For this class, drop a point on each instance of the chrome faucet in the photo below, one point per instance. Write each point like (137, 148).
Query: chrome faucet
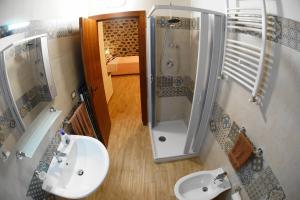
(220, 177)
(58, 155)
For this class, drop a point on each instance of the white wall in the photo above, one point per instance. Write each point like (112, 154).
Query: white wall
(216, 5)
(12, 11)
(98, 6)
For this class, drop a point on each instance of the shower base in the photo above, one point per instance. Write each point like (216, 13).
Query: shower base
(168, 141)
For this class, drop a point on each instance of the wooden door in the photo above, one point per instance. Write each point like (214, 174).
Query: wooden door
(93, 74)
(141, 16)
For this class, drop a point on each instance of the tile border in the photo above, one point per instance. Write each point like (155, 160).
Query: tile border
(259, 185)
(175, 86)
(35, 190)
(54, 28)
(185, 23)
(286, 32)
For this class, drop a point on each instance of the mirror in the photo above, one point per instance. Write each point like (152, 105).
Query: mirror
(9, 133)
(27, 79)
(27, 86)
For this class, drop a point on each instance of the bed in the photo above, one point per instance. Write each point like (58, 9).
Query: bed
(124, 65)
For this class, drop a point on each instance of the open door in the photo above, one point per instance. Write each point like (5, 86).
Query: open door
(141, 16)
(93, 74)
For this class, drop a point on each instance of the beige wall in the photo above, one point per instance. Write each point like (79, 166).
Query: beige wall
(65, 61)
(176, 107)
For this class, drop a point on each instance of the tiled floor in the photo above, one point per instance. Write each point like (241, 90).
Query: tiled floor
(133, 175)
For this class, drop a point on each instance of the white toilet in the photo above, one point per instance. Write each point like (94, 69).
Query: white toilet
(201, 185)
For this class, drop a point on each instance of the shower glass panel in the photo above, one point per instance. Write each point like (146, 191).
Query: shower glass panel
(176, 47)
(186, 55)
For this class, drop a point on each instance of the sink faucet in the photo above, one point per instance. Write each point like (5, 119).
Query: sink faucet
(58, 155)
(220, 177)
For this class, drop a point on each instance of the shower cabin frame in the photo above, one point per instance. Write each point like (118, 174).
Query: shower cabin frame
(211, 36)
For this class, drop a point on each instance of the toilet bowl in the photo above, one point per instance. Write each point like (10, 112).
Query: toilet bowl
(201, 185)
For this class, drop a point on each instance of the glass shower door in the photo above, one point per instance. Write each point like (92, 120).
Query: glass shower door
(186, 55)
(174, 51)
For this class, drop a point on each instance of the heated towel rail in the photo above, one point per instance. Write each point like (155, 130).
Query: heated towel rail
(243, 61)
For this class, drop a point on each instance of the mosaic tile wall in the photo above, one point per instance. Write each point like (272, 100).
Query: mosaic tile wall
(7, 126)
(32, 98)
(172, 86)
(286, 32)
(259, 183)
(35, 190)
(184, 23)
(121, 37)
(54, 28)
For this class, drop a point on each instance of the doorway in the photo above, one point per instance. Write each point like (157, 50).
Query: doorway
(97, 76)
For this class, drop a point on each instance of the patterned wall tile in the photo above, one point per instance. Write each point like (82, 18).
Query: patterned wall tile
(184, 23)
(256, 190)
(220, 125)
(290, 33)
(26, 103)
(54, 28)
(276, 193)
(29, 100)
(171, 86)
(282, 30)
(234, 132)
(228, 145)
(246, 174)
(7, 127)
(259, 184)
(268, 179)
(121, 37)
(35, 190)
(265, 186)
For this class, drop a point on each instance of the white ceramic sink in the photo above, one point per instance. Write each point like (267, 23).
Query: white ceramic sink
(201, 185)
(83, 154)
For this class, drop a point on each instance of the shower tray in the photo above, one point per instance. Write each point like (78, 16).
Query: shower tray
(168, 140)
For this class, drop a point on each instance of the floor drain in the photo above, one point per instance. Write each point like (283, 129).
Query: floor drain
(80, 172)
(162, 138)
(204, 189)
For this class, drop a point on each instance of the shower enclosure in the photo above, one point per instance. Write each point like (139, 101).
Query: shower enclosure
(186, 58)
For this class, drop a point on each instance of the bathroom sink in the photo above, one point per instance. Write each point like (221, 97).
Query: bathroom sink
(201, 185)
(81, 171)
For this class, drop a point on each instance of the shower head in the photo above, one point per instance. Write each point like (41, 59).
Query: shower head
(173, 20)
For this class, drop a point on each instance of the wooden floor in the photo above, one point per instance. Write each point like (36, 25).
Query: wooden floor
(133, 175)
